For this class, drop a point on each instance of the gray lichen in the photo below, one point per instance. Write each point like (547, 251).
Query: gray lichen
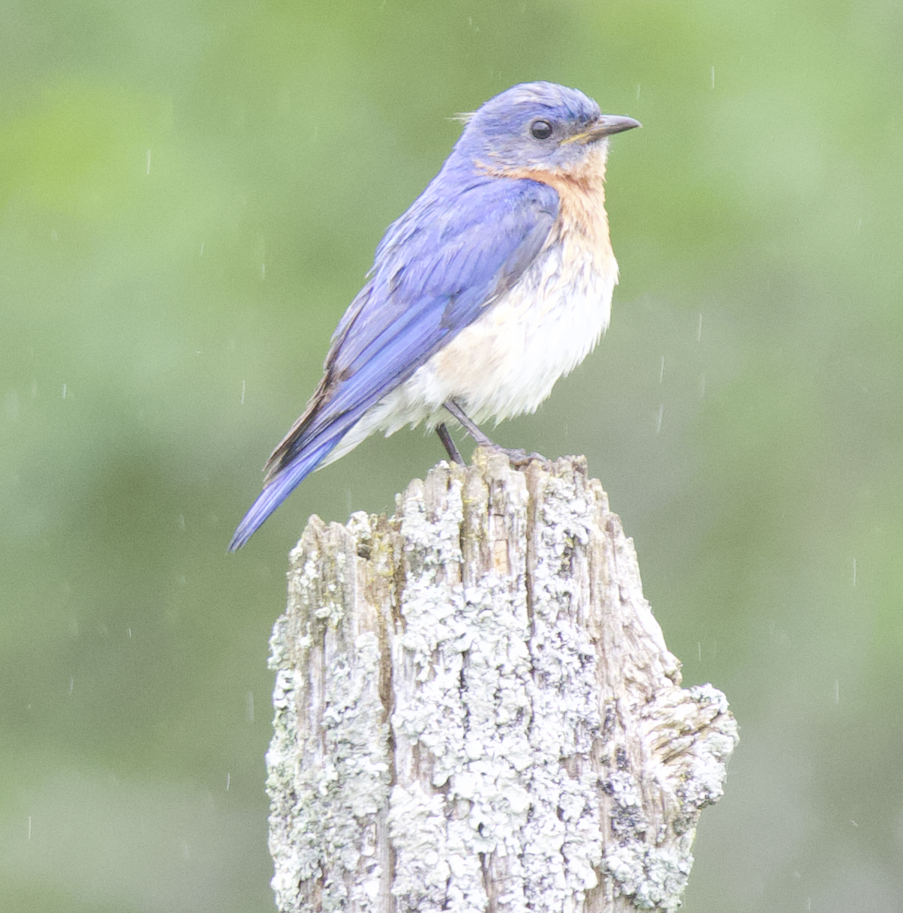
(476, 710)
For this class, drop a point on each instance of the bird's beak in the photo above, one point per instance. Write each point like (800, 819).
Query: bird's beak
(604, 125)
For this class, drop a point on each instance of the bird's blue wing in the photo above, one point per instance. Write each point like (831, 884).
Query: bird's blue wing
(437, 269)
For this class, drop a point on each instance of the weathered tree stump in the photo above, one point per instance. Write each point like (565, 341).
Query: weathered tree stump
(476, 709)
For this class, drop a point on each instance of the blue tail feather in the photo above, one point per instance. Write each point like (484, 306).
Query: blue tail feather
(279, 488)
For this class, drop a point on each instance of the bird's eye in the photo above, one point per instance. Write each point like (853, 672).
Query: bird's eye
(541, 129)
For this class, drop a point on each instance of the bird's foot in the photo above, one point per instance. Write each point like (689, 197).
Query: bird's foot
(518, 458)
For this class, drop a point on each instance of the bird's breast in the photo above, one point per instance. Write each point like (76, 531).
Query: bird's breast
(507, 361)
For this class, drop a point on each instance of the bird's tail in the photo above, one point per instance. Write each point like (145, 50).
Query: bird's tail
(279, 487)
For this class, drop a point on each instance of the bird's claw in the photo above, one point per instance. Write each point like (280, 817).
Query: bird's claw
(519, 458)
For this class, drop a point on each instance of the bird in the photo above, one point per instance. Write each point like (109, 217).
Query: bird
(496, 282)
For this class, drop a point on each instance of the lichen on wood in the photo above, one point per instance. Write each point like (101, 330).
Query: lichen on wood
(476, 709)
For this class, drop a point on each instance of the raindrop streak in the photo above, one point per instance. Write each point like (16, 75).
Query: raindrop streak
(29, 827)
(699, 329)
(71, 685)
(242, 392)
(854, 572)
(637, 90)
(228, 781)
(64, 391)
(661, 370)
(659, 417)
(713, 77)
(148, 161)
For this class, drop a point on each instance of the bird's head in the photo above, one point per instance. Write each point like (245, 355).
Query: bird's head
(537, 126)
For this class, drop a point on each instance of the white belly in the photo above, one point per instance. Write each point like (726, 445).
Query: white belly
(507, 361)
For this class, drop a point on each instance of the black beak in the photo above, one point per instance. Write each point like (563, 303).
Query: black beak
(606, 125)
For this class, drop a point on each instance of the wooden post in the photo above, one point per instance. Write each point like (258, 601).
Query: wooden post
(476, 709)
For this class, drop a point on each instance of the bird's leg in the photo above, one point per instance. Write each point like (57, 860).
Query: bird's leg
(470, 427)
(518, 457)
(450, 447)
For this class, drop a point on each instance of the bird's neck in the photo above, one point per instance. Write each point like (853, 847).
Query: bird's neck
(582, 219)
(581, 195)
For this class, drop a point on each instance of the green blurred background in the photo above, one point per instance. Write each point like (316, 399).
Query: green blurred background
(190, 195)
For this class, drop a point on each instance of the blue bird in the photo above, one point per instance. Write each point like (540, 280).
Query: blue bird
(495, 283)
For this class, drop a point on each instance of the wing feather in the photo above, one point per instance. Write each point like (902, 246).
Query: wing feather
(435, 272)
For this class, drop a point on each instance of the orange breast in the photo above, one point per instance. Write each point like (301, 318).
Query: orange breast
(582, 220)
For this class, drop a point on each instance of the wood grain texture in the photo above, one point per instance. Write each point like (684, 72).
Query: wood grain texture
(476, 709)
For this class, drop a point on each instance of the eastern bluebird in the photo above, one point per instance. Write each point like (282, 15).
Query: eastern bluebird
(495, 283)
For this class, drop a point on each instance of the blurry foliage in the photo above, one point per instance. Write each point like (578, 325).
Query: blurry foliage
(190, 195)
